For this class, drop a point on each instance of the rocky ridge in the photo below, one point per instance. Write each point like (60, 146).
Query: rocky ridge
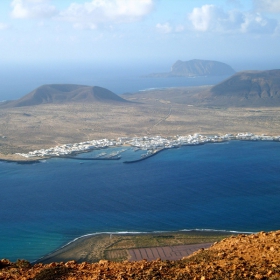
(255, 256)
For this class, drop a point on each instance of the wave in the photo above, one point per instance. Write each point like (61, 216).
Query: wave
(219, 230)
(88, 235)
(149, 232)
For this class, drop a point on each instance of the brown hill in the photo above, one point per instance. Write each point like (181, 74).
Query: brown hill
(255, 256)
(63, 93)
(250, 88)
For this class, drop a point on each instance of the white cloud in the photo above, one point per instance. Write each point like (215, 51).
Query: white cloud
(91, 14)
(164, 28)
(202, 18)
(32, 9)
(255, 23)
(212, 18)
(271, 6)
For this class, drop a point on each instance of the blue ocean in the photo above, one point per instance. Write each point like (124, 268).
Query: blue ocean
(19, 80)
(233, 186)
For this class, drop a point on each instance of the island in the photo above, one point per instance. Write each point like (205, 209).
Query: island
(196, 68)
(63, 116)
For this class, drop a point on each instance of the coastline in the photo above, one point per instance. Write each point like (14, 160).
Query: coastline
(154, 144)
(96, 246)
(13, 158)
(169, 154)
(22, 161)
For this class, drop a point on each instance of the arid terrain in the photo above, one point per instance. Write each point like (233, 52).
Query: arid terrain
(255, 256)
(165, 112)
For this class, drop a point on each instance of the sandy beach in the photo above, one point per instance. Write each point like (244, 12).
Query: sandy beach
(134, 247)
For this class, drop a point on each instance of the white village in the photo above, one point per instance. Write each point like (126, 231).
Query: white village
(152, 144)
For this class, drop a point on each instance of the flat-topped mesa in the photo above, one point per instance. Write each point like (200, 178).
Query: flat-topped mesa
(196, 68)
(199, 67)
(65, 93)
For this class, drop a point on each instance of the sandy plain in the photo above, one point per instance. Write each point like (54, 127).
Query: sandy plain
(165, 112)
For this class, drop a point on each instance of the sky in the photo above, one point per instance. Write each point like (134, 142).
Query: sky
(139, 32)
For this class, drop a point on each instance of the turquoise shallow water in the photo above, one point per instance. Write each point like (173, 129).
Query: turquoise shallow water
(229, 186)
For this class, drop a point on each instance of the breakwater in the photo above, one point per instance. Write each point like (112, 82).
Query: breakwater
(145, 157)
(93, 158)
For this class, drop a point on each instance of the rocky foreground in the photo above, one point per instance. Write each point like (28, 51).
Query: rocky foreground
(255, 256)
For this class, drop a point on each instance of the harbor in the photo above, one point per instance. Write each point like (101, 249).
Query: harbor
(149, 154)
(102, 156)
(152, 144)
